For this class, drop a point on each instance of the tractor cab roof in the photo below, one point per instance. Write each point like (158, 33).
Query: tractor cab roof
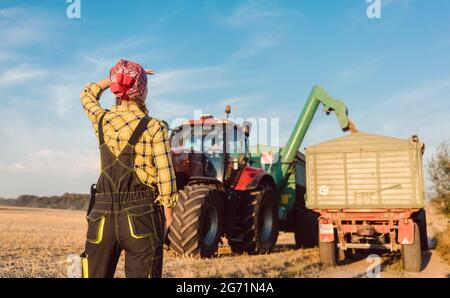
(209, 122)
(208, 119)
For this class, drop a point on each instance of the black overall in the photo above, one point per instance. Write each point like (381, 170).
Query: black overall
(124, 217)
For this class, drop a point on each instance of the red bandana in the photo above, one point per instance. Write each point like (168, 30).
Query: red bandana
(128, 80)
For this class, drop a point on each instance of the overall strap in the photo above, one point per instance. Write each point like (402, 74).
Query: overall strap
(100, 128)
(140, 128)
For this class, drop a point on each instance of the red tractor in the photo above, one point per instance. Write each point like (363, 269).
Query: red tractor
(214, 175)
(224, 190)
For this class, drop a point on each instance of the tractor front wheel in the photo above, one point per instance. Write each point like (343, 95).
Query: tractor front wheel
(197, 221)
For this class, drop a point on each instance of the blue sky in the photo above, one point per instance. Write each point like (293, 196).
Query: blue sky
(263, 57)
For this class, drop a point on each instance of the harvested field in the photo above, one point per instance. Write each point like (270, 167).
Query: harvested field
(36, 243)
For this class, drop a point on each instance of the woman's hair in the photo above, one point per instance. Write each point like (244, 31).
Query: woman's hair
(139, 101)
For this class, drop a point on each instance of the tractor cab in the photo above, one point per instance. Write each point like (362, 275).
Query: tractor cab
(209, 148)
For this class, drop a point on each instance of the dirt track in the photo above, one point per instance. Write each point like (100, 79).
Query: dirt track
(36, 243)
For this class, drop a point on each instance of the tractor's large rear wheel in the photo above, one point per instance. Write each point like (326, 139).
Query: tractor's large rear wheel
(256, 229)
(197, 221)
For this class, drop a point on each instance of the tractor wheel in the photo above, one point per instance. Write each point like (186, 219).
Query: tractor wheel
(197, 221)
(421, 220)
(306, 230)
(328, 253)
(256, 229)
(412, 253)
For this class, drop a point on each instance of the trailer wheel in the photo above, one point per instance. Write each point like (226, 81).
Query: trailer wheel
(412, 253)
(197, 221)
(256, 229)
(306, 229)
(421, 220)
(328, 253)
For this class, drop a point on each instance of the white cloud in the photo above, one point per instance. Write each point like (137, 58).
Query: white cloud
(261, 22)
(358, 71)
(11, 12)
(43, 155)
(21, 26)
(433, 93)
(168, 91)
(99, 63)
(421, 110)
(6, 56)
(60, 163)
(404, 3)
(178, 81)
(256, 44)
(21, 74)
(242, 102)
(251, 11)
(50, 172)
(102, 58)
(63, 97)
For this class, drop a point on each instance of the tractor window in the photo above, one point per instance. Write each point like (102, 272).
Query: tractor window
(213, 150)
(236, 137)
(206, 139)
(213, 139)
(184, 140)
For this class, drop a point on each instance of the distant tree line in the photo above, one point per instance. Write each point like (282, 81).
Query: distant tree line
(66, 201)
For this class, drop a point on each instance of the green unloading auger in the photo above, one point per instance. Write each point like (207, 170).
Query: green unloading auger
(281, 170)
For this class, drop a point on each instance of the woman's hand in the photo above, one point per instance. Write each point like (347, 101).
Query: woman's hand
(104, 84)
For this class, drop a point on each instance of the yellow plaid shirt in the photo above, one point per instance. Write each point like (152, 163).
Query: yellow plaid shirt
(153, 164)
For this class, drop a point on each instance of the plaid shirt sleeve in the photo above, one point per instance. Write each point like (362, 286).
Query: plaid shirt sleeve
(166, 181)
(89, 99)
